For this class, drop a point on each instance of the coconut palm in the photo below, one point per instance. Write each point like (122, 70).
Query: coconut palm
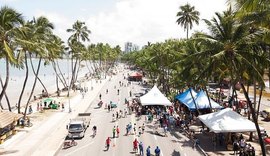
(231, 47)
(186, 16)
(10, 20)
(80, 32)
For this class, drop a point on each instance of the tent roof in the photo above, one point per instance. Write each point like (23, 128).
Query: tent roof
(227, 120)
(202, 102)
(136, 74)
(186, 97)
(7, 118)
(154, 97)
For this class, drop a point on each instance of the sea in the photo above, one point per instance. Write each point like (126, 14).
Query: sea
(46, 74)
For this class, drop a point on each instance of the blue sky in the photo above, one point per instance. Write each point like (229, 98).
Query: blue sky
(118, 21)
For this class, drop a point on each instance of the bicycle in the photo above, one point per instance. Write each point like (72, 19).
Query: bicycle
(71, 143)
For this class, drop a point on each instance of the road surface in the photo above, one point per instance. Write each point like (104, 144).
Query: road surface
(175, 144)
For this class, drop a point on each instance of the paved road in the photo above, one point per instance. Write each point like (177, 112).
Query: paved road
(175, 144)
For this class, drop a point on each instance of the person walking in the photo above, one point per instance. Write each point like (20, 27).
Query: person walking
(141, 148)
(108, 142)
(135, 145)
(117, 131)
(100, 96)
(143, 128)
(157, 151)
(148, 152)
(114, 130)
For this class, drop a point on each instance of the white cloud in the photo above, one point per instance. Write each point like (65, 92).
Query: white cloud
(140, 21)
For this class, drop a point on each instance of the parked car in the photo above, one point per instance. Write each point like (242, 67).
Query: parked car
(265, 113)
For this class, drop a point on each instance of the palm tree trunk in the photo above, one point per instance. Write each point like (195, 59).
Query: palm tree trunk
(77, 72)
(194, 100)
(259, 103)
(187, 32)
(24, 84)
(208, 99)
(36, 75)
(33, 87)
(254, 117)
(254, 87)
(63, 78)
(8, 103)
(6, 82)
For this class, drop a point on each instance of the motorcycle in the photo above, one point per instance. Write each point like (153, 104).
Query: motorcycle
(68, 144)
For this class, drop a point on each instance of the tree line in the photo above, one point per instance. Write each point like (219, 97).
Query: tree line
(236, 47)
(21, 41)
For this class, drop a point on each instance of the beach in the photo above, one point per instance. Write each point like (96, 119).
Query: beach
(46, 75)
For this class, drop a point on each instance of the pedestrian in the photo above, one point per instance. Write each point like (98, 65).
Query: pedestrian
(143, 127)
(114, 130)
(148, 152)
(100, 96)
(141, 148)
(157, 151)
(140, 131)
(135, 145)
(30, 109)
(117, 131)
(235, 147)
(196, 142)
(117, 91)
(117, 115)
(113, 117)
(130, 94)
(107, 91)
(127, 127)
(108, 142)
(134, 129)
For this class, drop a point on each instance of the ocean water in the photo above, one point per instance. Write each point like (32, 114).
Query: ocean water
(46, 74)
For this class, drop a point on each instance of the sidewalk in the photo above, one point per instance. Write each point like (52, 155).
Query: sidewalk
(46, 136)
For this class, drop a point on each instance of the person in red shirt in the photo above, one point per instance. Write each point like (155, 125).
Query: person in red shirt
(108, 142)
(135, 145)
(117, 131)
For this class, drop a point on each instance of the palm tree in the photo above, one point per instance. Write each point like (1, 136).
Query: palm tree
(231, 48)
(80, 32)
(186, 16)
(10, 20)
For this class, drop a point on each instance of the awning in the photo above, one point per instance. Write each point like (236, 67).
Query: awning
(154, 97)
(7, 118)
(227, 120)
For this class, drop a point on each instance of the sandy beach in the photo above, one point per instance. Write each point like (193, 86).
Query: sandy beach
(46, 75)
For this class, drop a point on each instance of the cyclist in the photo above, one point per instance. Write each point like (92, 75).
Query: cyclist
(94, 130)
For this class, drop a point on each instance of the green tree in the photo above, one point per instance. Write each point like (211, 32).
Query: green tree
(186, 16)
(10, 20)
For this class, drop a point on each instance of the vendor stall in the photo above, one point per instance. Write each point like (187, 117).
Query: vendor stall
(8, 121)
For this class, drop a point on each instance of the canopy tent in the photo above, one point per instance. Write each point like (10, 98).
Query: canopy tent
(227, 120)
(186, 97)
(154, 97)
(136, 76)
(202, 102)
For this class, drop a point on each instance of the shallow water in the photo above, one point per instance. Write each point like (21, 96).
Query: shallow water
(46, 74)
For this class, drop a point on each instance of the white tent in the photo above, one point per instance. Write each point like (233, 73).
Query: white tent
(227, 120)
(154, 97)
